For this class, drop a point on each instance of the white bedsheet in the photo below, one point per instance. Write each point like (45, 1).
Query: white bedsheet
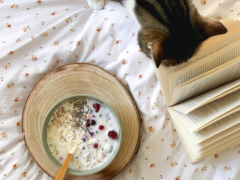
(36, 36)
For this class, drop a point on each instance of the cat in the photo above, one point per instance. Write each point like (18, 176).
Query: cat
(168, 29)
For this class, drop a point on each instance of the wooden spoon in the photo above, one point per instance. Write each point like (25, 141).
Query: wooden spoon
(64, 167)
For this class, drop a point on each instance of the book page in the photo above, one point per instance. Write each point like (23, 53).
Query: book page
(200, 148)
(212, 61)
(219, 76)
(200, 100)
(210, 113)
(190, 148)
(222, 126)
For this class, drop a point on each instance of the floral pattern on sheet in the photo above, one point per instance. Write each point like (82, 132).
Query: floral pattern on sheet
(37, 36)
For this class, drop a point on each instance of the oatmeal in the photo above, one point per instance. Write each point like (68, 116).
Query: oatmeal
(87, 129)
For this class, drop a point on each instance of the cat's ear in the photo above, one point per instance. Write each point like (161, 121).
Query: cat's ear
(156, 47)
(152, 39)
(210, 27)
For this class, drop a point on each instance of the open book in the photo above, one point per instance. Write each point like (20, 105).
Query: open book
(203, 95)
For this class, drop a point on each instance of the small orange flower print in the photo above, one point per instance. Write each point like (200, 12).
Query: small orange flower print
(203, 2)
(177, 178)
(6, 66)
(2, 151)
(150, 129)
(59, 61)
(14, 6)
(99, 29)
(9, 26)
(160, 92)
(86, 7)
(155, 117)
(216, 156)
(174, 164)
(124, 61)
(92, 61)
(174, 130)
(10, 85)
(39, 2)
(14, 166)
(45, 34)
(173, 144)
(227, 168)
(112, 9)
(18, 124)
(204, 168)
(78, 43)
(168, 158)
(106, 18)
(68, 20)
(140, 76)
(53, 13)
(26, 75)
(56, 43)
(25, 29)
(152, 165)
(1, 1)
(218, 17)
(34, 58)
(196, 170)
(4, 135)
(16, 99)
(24, 174)
(153, 106)
(118, 41)
(140, 50)
(10, 52)
(18, 40)
(72, 30)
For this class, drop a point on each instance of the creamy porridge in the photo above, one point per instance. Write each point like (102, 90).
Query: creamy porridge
(87, 129)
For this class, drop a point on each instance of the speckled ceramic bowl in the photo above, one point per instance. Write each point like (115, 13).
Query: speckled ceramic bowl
(54, 160)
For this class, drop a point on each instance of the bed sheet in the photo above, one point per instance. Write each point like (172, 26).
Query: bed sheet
(37, 36)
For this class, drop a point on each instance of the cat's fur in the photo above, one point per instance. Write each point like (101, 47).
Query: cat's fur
(168, 29)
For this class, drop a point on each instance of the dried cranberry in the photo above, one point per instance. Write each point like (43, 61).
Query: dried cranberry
(101, 127)
(96, 106)
(95, 145)
(112, 134)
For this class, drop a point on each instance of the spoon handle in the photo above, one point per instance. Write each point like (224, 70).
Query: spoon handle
(64, 167)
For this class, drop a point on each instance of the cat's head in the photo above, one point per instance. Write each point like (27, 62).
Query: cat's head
(179, 39)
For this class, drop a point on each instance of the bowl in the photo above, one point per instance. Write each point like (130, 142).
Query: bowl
(45, 142)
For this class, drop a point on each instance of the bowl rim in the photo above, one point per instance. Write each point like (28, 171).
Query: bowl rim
(44, 136)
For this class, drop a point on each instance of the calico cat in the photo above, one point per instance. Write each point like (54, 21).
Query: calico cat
(168, 29)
